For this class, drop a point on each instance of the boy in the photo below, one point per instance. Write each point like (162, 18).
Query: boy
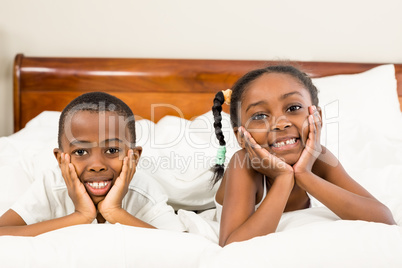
(97, 159)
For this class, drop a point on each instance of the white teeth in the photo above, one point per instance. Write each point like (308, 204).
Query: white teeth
(283, 143)
(98, 185)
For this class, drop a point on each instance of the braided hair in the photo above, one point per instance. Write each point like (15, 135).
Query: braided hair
(238, 90)
(219, 167)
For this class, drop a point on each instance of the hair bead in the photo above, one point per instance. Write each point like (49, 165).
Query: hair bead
(220, 156)
(227, 95)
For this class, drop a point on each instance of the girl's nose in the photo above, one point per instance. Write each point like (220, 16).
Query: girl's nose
(280, 123)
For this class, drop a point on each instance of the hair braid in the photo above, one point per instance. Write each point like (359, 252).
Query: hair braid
(218, 169)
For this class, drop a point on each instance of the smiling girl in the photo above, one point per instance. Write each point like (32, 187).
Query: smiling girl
(275, 116)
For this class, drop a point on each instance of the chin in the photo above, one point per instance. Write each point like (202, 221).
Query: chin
(290, 159)
(97, 199)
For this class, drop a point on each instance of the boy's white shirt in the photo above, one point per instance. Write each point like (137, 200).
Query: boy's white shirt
(48, 199)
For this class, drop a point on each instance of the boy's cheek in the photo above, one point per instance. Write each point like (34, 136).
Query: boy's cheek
(78, 169)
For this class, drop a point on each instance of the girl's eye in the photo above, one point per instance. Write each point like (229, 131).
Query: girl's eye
(80, 152)
(293, 108)
(259, 116)
(112, 150)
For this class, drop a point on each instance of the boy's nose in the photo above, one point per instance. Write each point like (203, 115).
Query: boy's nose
(97, 164)
(280, 123)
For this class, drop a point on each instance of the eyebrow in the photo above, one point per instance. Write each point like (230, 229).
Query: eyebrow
(255, 104)
(88, 143)
(75, 142)
(111, 140)
(284, 96)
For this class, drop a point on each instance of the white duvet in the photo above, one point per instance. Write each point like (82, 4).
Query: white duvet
(366, 136)
(313, 237)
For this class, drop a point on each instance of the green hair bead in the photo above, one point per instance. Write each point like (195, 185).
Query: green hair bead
(220, 156)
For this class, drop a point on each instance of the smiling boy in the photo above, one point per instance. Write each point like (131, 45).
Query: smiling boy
(97, 159)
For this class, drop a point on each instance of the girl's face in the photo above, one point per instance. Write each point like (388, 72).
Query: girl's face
(97, 144)
(275, 110)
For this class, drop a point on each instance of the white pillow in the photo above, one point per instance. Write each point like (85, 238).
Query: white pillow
(362, 126)
(180, 155)
(368, 99)
(359, 107)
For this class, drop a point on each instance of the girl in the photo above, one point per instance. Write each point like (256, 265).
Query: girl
(275, 116)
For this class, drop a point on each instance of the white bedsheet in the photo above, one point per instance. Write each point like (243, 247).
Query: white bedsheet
(308, 238)
(312, 237)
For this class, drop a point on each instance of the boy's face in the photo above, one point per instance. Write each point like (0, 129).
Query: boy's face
(97, 144)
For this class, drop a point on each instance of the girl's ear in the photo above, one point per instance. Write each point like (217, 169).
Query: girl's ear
(239, 136)
(57, 153)
(320, 112)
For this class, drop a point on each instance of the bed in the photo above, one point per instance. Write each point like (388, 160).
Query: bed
(172, 100)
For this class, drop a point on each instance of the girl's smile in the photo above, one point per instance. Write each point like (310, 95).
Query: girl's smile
(275, 111)
(285, 143)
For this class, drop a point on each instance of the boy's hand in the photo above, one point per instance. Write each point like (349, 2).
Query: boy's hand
(263, 161)
(114, 198)
(76, 190)
(313, 146)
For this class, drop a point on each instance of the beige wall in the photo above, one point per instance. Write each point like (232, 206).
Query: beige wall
(344, 30)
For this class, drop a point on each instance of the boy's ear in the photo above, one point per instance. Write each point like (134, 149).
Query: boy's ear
(57, 153)
(239, 137)
(137, 153)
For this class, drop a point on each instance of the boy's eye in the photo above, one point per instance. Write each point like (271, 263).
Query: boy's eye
(112, 150)
(80, 152)
(293, 108)
(259, 116)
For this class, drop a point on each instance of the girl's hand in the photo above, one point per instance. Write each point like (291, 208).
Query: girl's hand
(113, 200)
(76, 190)
(313, 146)
(263, 161)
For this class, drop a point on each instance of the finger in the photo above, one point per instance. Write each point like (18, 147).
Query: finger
(317, 122)
(65, 169)
(240, 134)
(313, 142)
(129, 153)
(73, 173)
(316, 114)
(314, 135)
(312, 126)
(69, 168)
(250, 140)
(125, 168)
(130, 167)
(250, 148)
(134, 161)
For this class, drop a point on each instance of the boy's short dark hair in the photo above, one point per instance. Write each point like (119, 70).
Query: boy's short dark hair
(98, 102)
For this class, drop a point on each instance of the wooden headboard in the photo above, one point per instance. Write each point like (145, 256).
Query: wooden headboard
(153, 88)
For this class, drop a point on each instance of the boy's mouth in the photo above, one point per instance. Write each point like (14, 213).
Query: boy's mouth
(98, 185)
(98, 188)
